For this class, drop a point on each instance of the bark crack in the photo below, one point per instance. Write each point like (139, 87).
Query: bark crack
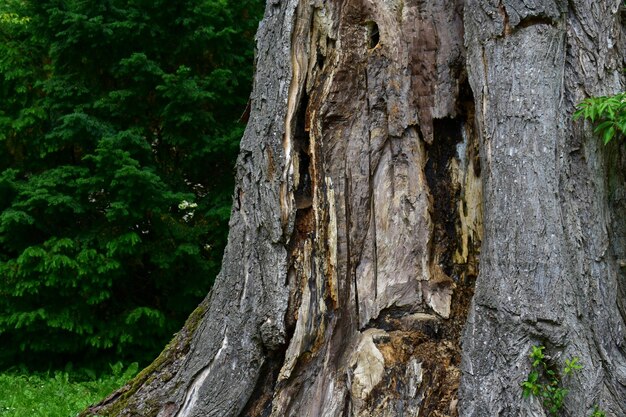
(351, 276)
(371, 189)
(192, 393)
(524, 22)
(506, 30)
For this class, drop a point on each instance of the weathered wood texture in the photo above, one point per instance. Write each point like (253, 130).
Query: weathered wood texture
(381, 257)
(355, 230)
(358, 218)
(554, 225)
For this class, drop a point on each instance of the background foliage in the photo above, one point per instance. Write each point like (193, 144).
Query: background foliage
(118, 133)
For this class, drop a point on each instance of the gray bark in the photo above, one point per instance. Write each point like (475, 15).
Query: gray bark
(358, 219)
(553, 232)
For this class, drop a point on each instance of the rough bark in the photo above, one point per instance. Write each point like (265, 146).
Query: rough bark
(553, 231)
(358, 219)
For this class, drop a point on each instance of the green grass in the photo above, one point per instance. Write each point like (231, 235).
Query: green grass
(58, 394)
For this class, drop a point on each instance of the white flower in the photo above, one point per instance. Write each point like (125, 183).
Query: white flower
(186, 204)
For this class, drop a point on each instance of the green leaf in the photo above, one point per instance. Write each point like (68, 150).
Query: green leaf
(608, 134)
(572, 365)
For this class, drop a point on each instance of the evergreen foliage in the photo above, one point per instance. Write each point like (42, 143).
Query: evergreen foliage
(118, 133)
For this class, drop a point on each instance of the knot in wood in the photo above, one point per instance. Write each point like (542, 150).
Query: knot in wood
(272, 335)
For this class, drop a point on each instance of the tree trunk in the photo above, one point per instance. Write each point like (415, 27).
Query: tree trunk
(358, 219)
(554, 225)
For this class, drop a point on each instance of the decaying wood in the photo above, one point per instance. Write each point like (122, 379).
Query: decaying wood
(380, 253)
(358, 219)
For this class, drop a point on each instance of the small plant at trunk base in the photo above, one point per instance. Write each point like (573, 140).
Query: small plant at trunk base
(598, 413)
(544, 381)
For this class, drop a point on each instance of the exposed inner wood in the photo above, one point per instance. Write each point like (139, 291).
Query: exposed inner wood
(388, 225)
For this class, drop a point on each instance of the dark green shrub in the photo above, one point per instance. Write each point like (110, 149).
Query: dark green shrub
(118, 134)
